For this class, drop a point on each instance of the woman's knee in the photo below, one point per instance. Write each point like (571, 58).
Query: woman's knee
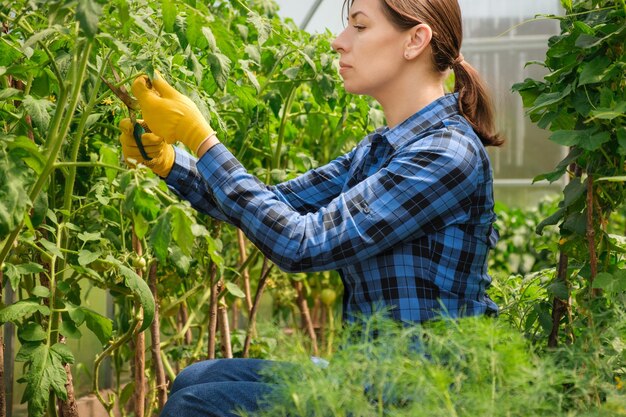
(192, 375)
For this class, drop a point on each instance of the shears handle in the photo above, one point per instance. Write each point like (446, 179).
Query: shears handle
(139, 130)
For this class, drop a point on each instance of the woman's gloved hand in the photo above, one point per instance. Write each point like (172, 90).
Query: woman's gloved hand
(161, 153)
(170, 114)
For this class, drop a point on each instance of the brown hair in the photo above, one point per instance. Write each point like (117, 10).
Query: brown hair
(444, 18)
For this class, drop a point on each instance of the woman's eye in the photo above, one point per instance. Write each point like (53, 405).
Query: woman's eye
(359, 28)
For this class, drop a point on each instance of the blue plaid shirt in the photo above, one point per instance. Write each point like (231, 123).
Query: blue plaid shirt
(405, 217)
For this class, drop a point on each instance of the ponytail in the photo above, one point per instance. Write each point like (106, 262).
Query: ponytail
(474, 102)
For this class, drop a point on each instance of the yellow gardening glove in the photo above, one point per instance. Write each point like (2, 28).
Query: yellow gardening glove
(161, 153)
(170, 114)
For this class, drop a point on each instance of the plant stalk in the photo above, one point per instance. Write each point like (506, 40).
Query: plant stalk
(157, 362)
(305, 314)
(265, 271)
(140, 346)
(225, 343)
(213, 306)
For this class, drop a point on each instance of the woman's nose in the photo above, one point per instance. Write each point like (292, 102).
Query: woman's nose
(338, 43)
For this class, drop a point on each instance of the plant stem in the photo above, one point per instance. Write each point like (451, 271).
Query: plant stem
(559, 306)
(265, 271)
(3, 397)
(305, 314)
(213, 305)
(107, 352)
(89, 165)
(55, 141)
(243, 256)
(591, 234)
(283, 125)
(140, 345)
(225, 344)
(157, 363)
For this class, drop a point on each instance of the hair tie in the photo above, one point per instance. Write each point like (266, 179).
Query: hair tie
(458, 60)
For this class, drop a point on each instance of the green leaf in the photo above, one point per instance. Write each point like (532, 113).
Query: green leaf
(89, 237)
(573, 191)
(38, 110)
(142, 293)
(585, 41)
(549, 99)
(26, 150)
(194, 30)
(32, 332)
(161, 236)
(180, 260)
(139, 199)
(40, 292)
(220, 68)
(262, 25)
(10, 94)
(75, 313)
(210, 38)
(109, 156)
(181, 230)
(180, 27)
(588, 139)
(46, 372)
(559, 290)
(101, 326)
(85, 257)
(254, 53)
(22, 309)
(550, 221)
(561, 168)
(594, 71)
(42, 375)
(232, 288)
(292, 73)
(609, 114)
(604, 281)
(88, 13)
(39, 36)
(29, 268)
(169, 12)
(63, 352)
(51, 248)
(69, 330)
(9, 55)
(13, 202)
(141, 225)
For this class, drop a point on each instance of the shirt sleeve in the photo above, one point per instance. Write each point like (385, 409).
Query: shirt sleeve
(424, 187)
(316, 188)
(186, 182)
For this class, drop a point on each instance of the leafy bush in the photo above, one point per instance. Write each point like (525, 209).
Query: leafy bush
(474, 366)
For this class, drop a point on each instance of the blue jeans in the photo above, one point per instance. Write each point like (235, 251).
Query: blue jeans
(217, 388)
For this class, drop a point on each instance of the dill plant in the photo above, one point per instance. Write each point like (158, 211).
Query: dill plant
(469, 367)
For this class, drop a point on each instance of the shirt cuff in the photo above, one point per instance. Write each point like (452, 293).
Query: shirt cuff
(217, 165)
(183, 161)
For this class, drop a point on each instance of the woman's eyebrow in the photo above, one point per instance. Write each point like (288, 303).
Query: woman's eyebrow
(355, 14)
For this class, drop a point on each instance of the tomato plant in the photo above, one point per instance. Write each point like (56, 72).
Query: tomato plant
(73, 216)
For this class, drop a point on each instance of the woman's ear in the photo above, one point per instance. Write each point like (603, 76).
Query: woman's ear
(420, 37)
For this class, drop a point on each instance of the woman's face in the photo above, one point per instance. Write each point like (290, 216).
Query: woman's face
(371, 49)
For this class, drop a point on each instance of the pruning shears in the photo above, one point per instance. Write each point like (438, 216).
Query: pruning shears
(133, 106)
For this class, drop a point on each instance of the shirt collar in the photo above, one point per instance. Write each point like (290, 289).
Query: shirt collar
(425, 119)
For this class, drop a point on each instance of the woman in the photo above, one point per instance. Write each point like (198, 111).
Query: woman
(405, 217)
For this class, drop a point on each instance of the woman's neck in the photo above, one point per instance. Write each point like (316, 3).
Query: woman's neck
(404, 102)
